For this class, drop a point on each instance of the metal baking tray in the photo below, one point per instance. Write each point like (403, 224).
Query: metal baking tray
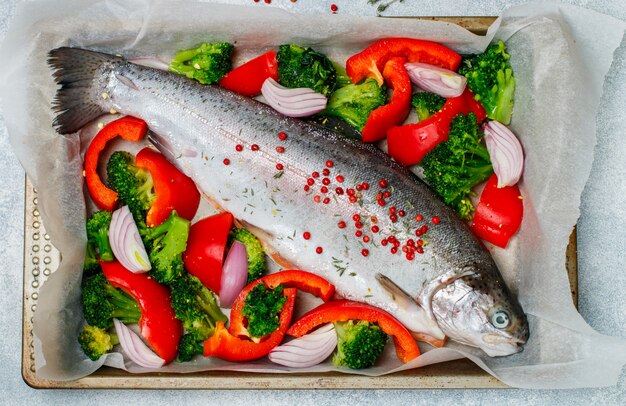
(41, 259)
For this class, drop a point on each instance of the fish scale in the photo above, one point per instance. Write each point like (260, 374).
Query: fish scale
(197, 127)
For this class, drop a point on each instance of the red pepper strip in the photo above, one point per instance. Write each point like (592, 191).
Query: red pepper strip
(499, 213)
(173, 189)
(409, 143)
(158, 324)
(372, 59)
(130, 129)
(344, 310)
(302, 280)
(248, 78)
(394, 112)
(206, 246)
(226, 346)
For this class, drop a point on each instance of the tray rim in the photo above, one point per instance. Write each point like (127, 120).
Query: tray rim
(467, 375)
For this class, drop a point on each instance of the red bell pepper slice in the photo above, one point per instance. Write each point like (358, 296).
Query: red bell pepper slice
(224, 345)
(370, 61)
(344, 310)
(129, 128)
(158, 324)
(302, 280)
(409, 144)
(248, 78)
(499, 213)
(395, 112)
(206, 246)
(173, 189)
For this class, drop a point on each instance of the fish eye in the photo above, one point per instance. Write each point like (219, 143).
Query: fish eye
(500, 319)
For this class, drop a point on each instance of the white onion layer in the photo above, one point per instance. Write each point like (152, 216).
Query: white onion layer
(126, 242)
(443, 82)
(301, 102)
(505, 152)
(308, 350)
(134, 347)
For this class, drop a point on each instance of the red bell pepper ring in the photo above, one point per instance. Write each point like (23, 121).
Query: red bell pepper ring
(248, 78)
(158, 324)
(499, 213)
(370, 61)
(409, 144)
(344, 310)
(130, 129)
(301, 280)
(224, 345)
(206, 246)
(395, 112)
(173, 189)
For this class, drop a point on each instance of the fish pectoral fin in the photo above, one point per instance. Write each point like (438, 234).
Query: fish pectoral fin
(265, 237)
(397, 294)
(425, 338)
(282, 262)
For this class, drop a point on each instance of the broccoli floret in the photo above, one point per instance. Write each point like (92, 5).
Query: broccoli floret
(342, 77)
(359, 344)
(91, 266)
(188, 347)
(490, 76)
(454, 167)
(96, 342)
(103, 302)
(207, 64)
(426, 104)
(165, 245)
(262, 309)
(196, 306)
(254, 249)
(354, 103)
(98, 234)
(134, 186)
(305, 67)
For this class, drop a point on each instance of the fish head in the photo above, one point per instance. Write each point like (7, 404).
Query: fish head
(477, 309)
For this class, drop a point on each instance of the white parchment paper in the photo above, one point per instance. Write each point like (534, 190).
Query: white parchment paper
(560, 56)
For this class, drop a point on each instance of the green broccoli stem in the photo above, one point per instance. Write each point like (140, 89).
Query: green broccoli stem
(104, 246)
(115, 340)
(206, 301)
(503, 109)
(126, 308)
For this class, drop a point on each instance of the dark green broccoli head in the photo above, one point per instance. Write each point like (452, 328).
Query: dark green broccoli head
(305, 67)
(426, 104)
(207, 64)
(354, 103)
(262, 309)
(254, 249)
(359, 344)
(188, 347)
(490, 77)
(102, 303)
(196, 306)
(134, 186)
(165, 245)
(454, 167)
(96, 342)
(98, 234)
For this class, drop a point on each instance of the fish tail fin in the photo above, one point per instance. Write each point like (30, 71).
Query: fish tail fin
(77, 71)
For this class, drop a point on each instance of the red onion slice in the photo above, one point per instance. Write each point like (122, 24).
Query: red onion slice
(299, 102)
(234, 274)
(308, 350)
(134, 347)
(505, 151)
(443, 82)
(126, 242)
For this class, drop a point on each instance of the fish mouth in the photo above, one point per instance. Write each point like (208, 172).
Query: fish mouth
(495, 345)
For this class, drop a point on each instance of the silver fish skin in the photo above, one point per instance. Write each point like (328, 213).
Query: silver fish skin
(455, 288)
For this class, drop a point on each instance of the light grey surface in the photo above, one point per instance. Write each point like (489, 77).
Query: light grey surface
(601, 257)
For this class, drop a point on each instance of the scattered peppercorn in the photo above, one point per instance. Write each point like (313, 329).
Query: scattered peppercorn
(282, 136)
(306, 235)
(226, 161)
(239, 147)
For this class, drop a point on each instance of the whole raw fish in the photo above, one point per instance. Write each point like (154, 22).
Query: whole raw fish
(321, 202)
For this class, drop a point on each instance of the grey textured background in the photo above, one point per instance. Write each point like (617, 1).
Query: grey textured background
(602, 239)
